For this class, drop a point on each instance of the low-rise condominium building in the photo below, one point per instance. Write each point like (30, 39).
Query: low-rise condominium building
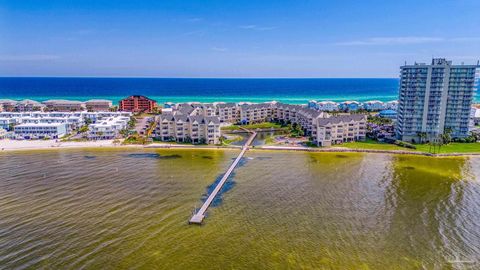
(339, 129)
(137, 104)
(40, 131)
(108, 128)
(60, 105)
(98, 105)
(194, 129)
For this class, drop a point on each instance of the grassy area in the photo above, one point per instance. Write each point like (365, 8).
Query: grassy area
(449, 148)
(270, 140)
(135, 139)
(452, 148)
(372, 144)
(227, 142)
(265, 125)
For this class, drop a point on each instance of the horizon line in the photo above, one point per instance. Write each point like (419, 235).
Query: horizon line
(232, 78)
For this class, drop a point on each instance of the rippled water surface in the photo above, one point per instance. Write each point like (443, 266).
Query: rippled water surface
(128, 209)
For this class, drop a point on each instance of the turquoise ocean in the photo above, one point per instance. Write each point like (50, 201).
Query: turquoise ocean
(294, 91)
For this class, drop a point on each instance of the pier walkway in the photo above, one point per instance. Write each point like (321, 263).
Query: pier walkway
(198, 217)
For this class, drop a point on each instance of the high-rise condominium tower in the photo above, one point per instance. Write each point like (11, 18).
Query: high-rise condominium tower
(435, 99)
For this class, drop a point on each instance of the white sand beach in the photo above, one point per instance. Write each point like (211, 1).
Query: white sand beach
(11, 145)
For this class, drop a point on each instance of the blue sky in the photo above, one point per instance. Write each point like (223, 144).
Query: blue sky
(233, 38)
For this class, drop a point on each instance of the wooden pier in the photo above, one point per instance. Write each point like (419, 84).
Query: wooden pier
(198, 217)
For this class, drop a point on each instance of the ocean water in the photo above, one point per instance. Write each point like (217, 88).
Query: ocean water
(295, 91)
(128, 209)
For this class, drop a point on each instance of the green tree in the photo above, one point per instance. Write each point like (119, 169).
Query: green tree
(447, 135)
(422, 136)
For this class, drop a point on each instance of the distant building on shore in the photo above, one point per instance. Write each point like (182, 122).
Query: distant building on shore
(374, 105)
(137, 104)
(98, 105)
(40, 131)
(390, 114)
(60, 105)
(7, 105)
(435, 98)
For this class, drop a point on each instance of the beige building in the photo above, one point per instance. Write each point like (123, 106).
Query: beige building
(320, 126)
(98, 105)
(255, 113)
(191, 129)
(60, 105)
(7, 105)
(228, 112)
(339, 129)
(301, 115)
(28, 105)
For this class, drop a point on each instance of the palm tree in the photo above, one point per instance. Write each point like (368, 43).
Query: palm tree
(446, 136)
(422, 136)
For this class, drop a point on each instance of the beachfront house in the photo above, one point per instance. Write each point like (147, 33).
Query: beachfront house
(7, 105)
(327, 106)
(312, 104)
(98, 105)
(350, 105)
(392, 105)
(60, 105)
(31, 131)
(374, 105)
(28, 105)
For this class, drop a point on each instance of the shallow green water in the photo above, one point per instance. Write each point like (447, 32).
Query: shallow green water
(110, 209)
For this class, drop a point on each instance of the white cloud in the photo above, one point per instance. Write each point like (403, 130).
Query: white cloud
(257, 27)
(219, 49)
(466, 39)
(29, 57)
(195, 33)
(194, 20)
(391, 41)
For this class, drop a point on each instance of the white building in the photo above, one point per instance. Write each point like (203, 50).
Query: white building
(7, 122)
(108, 128)
(392, 105)
(72, 120)
(374, 105)
(350, 105)
(435, 98)
(327, 106)
(40, 131)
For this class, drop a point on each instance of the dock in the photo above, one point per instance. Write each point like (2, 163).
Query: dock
(198, 217)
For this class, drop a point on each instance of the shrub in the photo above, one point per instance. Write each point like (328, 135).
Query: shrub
(405, 144)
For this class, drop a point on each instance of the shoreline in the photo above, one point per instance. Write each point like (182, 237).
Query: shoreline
(6, 146)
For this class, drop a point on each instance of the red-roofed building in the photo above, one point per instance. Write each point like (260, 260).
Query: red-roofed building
(137, 104)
